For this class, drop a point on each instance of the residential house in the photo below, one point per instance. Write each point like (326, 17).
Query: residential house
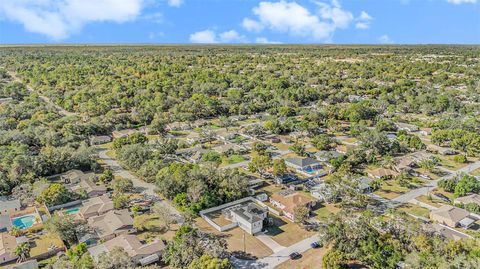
(382, 173)
(193, 137)
(407, 127)
(100, 139)
(8, 243)
(327, 155)
(31, 264)
(449, 233)
(177, 126)
(112, 224)
(141, 253)
(364, 184)
(469, 199)
(226, 148)
(96, 206)
(225, 135)
(75, 176)
(287, 200)
(5, 223)
(452, 216)
(248, 216)
(285, 178)
(124, 133)
(9, 205)
(301, 164)
(90, 187)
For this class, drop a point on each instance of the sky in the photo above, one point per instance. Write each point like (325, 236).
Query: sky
(240, 21)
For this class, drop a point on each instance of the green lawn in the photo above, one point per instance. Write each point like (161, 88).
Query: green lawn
(325, 212)
(390, 190)
(232, 159)
(415, 210)
(449, 163)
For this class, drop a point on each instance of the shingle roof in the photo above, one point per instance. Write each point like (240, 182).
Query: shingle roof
(452, 213)
(302, 162)
(472, 198)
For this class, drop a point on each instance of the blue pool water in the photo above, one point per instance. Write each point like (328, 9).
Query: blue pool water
(24, 222)
(311, 170)
(72, 210)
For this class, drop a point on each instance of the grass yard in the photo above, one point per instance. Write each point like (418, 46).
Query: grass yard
(151, 227)
(285, 232)
(235, 240)
(281, 146)
(269, 188)
(311, 259)
(232, 159)
(325, 211)
(42, 244)
(414, 210)
(449, 163)
(112, 154)
(390, 190)
(433, 202)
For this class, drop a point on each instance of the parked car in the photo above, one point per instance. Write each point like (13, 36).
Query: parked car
(295, 256)
(316, 245)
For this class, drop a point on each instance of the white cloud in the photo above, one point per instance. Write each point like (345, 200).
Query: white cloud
(288, 17)
(232, 36)
(458, 2)
(210, 37)
(363, 21)
(296, 20)
(175, 3)
(334, 12)
(59, 19)
(206, 36)
(264, 40)
(385, 39)
(252, 25)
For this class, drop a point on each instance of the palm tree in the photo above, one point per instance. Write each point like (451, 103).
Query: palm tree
(22, 251)
(16, 231)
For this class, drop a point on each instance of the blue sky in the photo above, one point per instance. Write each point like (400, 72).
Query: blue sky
(240, 21)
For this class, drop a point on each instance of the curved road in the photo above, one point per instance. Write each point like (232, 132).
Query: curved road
(142, 186)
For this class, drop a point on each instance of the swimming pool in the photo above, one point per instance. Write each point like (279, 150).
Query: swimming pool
(24, 222)
(312, 170)
(72, 210)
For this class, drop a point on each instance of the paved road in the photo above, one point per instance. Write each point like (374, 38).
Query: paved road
(276, 258)
(44, 98)
(236, 165)
(144, 187)
(404, 198)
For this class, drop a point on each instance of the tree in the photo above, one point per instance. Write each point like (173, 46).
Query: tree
(119, 200)
(164, 214)
(56, 194)
(259, 163)
(117, 258)
(190, 244)
(460, 158)
(207, 262)
(301, 213)
(279, 167)
(122, 185)
(22, 251)
(65, 227)
(323, 142)
(468, 184)
(298, 148)
(334, 259)
(106, 176)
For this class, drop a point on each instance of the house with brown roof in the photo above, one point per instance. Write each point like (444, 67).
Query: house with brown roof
(90, 187)
(469, 199)
(8, 244)
(140, 252)
(452, 216)
(126, 133)
(112, 224)
(96, 206)
(287, 200)
(382, 173)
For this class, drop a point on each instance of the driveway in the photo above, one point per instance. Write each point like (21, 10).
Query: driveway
(276, 258)
(270, 243)
(140, 185)
(404, 198)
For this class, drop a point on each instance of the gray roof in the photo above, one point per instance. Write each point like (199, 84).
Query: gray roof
(8, 203)
(251, 212)
(302, 162)
(32, 264)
